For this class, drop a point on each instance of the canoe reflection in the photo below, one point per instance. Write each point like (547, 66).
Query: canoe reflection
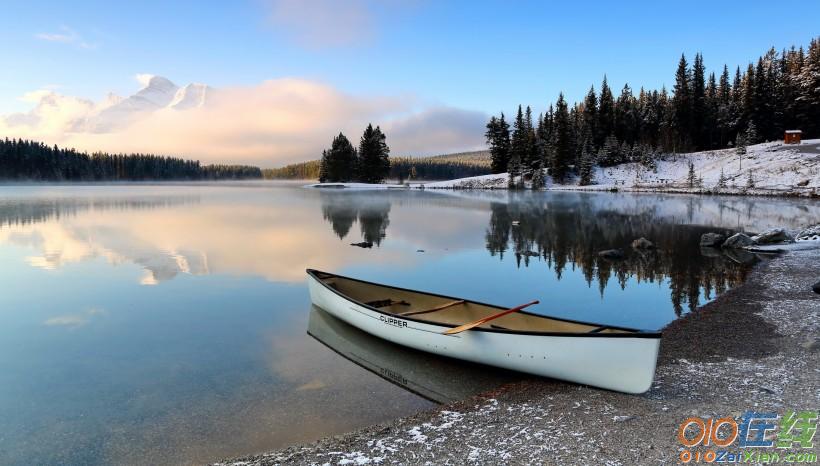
(438, 379)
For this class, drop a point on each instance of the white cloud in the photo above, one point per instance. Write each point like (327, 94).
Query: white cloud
(73, 320)
(272, 123)
(438, 130)
(66, 35)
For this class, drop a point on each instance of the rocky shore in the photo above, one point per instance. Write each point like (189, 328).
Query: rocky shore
(756, 346)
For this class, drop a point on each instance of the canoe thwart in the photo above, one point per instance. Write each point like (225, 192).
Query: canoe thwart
(484, 320)
(437, 308)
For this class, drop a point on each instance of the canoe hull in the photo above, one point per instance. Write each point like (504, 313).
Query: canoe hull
(623, 363)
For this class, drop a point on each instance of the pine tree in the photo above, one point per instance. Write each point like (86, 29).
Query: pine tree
(585, 171)
(750, 182)
(751, 136)
(324, 167)
(538, 181)
(530, 159)
(699, 109)
(721, 184)
(341, 160)
(562, 141)
(682, 102)
(520, 140)
(606, 114)
(691, 178)
(740, 143)
(498, 140)
(374, 156)
(591, 111)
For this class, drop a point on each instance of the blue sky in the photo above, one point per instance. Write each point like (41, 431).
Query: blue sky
(477, 56)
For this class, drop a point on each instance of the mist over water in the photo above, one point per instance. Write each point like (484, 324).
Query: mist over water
(155, 324)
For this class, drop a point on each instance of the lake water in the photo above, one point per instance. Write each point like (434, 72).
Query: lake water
(168, 324)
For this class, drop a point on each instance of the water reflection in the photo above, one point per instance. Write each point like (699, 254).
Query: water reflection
(212, 360)
(342, 210)
(565, 234)
(435, 378)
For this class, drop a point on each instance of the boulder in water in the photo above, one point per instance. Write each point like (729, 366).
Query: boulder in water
(816, 288)
(738, 240)
(712, 240)
(363, 244)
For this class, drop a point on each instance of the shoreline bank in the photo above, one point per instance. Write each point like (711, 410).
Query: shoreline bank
(753, 347)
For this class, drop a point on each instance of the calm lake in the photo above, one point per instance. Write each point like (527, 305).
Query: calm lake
(171, 323)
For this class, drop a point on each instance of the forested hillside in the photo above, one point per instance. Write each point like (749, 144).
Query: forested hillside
(30, 160)
(704, 110)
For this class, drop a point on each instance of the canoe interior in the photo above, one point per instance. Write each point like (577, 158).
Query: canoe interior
(377, 295)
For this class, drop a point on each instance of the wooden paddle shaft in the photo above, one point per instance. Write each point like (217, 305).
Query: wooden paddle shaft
(484, 320)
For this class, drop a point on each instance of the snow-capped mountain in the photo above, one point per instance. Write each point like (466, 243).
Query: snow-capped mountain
(158, 93)
(191, 96)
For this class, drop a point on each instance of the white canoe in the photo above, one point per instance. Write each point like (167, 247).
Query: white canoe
(614, 358)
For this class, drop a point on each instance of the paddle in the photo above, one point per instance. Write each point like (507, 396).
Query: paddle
(437, 308)
(478, 322)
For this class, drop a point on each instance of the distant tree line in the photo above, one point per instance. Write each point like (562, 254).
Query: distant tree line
(29, 160)
(435, 168)
(296, 171)
(703, 112)
(440, 167)
(343, 162)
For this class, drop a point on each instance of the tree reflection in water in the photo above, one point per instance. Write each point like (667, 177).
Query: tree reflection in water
(342, 210)
(565, 234)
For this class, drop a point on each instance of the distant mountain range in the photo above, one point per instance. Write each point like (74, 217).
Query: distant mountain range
(159, 93)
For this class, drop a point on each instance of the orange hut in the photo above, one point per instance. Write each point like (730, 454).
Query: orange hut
(792, 136)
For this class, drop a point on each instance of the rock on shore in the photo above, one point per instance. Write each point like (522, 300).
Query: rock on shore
(738, 240)
(774, 235)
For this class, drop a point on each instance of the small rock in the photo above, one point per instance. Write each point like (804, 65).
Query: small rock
(775, 235)
(713, 240)
(363, 244)
(529, 253)
(809, 234)
(611, 254)
(419, 250)
(643, 243)
(515, 223)
(816, 288)
(623, 418)
(738, 240)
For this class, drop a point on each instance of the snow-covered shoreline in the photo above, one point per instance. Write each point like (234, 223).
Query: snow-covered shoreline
(775, 169)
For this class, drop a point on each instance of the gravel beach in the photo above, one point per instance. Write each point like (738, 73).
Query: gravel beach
(756, 347)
